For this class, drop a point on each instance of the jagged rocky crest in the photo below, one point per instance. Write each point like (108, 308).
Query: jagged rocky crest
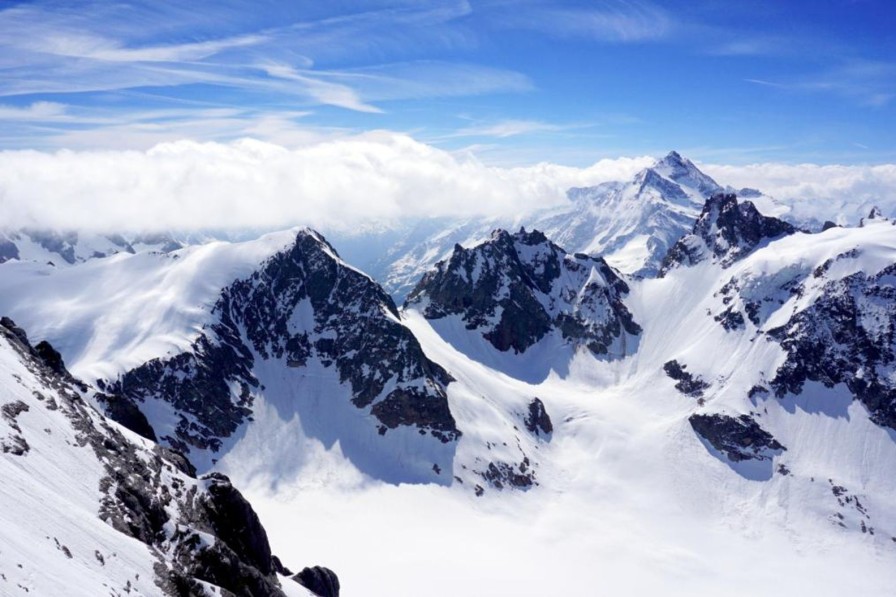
(517, 288)
(303, 304)
(202, 531)
(726, 232)
(848, 336)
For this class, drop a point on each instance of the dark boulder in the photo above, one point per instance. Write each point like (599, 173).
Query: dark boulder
(537, 420)
(687, 383)
(739, 438)
(319, 580)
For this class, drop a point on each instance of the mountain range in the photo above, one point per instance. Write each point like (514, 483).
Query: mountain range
(661, 372)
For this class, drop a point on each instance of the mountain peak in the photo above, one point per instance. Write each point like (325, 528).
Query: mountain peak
(673, 157)
(727, 231)
(683, 172)
(515, 289)
(874, 214)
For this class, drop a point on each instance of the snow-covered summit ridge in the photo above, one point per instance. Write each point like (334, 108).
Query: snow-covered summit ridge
(515, 289)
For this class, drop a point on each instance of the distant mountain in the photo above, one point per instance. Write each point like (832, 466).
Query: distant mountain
(631, 224)
(64, 249)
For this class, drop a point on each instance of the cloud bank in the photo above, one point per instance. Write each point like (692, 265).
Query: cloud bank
(334, 184)
(343, 183)
(842, 194)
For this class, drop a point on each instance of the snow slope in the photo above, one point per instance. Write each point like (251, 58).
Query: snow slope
(91, 509)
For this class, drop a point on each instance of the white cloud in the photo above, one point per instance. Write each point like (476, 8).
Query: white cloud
(42, 111)
(346, 181)
(508, 128)
(253, 184)
(824, 192)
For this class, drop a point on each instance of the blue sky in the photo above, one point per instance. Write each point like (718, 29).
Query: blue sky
(512, 82)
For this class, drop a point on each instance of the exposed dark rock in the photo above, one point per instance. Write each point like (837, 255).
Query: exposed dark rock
(126, 413)
(725, 232)
(874, 214)
(688, 384)
(236, 523)
(846, 336)
(516, 288)
(15, 330)
(411, 406)
(537, 420)
(757, 391)
(731, 319)
(11, 410)
(321, 581)
(828, 225)
(500, 474)
(152, 496)
(51, 357)
(739, 438)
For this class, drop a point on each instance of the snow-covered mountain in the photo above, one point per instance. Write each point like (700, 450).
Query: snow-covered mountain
(729, 422)
(306, 336)
(517, 289)
(90, 508)
(629, 223)
(62, 249)
(725, 232)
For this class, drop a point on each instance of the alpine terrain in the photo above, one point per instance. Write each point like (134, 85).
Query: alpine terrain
(658, 388)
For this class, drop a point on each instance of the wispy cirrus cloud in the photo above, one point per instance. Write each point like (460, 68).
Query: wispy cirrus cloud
(510, 128)
(48, 51)
(868, 83)
(612, 21)
(38, 111)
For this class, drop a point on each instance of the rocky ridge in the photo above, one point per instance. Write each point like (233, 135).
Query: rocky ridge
(200, 532)
(515, 289)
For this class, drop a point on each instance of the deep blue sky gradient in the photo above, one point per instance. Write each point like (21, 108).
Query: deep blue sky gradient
(513, 82)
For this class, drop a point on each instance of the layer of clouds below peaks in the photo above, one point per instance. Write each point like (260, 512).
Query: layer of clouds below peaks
(251, 184)
(346, 183)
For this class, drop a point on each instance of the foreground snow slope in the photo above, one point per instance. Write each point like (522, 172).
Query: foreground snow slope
(629, 502)
(90, 509)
